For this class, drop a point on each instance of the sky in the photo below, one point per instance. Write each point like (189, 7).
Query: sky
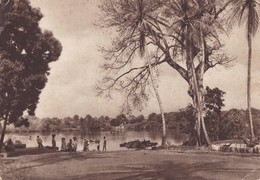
(70, 89)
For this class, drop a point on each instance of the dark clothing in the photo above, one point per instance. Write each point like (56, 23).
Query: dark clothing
(85, 148)
(10, 146)
(69, 146)
(105, 145)
(39, 141)
(53, 144)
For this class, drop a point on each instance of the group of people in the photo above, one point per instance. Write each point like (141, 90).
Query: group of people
(86, 145)
(71, 146)
(40, 145)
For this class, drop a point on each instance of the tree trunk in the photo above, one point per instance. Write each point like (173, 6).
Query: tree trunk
(3, 134)
(202, 110)
(201, 89)
(197, 90)
(249, 36)
(193, 93)
(163, 145)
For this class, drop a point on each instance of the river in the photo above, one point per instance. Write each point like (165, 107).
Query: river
(113, 139)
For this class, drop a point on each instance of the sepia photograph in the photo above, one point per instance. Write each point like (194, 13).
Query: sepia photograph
(129, 89)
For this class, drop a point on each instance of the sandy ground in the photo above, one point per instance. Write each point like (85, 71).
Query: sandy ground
(131, 165)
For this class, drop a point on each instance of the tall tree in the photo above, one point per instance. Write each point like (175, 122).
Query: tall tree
(176, 47)
(196, 24)
(147, 25)
(26, 52)
(143, 24)
(245, 12)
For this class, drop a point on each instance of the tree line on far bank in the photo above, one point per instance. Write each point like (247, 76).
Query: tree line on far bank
(225, 125)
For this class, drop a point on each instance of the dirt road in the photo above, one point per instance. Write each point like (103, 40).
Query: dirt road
(132, 165)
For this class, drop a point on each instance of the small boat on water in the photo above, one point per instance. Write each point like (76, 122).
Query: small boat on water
(139, 144)
(19, 145)
(94, 140)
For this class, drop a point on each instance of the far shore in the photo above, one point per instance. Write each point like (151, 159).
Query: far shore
(47, 131)
(142, 164)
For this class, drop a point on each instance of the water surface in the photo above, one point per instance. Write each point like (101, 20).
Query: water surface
(113, 139)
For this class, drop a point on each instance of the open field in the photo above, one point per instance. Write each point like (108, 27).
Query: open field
(160, 164)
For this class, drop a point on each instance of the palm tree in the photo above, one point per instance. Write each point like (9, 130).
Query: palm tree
(195, 22)
(148, 26)
(190, 27)
(244, 12)
(140, 22)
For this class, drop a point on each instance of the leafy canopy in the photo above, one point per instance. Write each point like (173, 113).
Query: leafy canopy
(26, 52)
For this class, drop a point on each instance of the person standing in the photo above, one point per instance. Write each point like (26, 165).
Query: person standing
(98, 145)
(74, 144)
(53, 142)
(70, 146)
(86, 144)
(105, 144)
(63, 144)
(10, 145)
(39, 142)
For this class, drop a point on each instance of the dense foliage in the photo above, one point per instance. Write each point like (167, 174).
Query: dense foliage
(26, 52)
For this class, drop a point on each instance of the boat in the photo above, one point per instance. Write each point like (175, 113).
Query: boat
(19, 145)
(94, 140)
(138, 144)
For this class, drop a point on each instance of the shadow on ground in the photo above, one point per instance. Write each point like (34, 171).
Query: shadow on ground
(182, 168)
(169, 170)
(166, 170)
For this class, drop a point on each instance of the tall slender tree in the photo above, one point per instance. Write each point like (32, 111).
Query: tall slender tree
(245, 12)
(147, 25)
(141, 23)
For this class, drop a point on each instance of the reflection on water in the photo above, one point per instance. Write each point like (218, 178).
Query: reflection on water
(113, 139)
